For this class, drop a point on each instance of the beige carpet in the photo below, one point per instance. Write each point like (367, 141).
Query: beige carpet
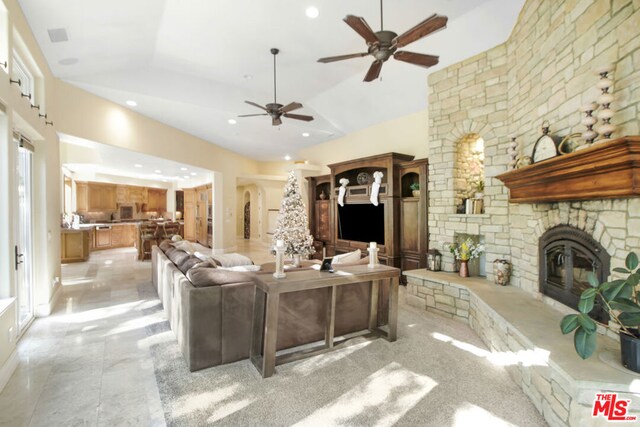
(436, 374)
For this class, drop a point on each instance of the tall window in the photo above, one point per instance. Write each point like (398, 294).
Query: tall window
(22, 73)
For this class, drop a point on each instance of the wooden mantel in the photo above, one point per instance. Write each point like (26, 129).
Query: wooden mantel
(603, 171)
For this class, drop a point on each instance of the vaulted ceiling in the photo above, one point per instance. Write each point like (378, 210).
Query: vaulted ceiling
(192, 63)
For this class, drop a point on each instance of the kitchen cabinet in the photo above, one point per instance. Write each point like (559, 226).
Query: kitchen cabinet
(75, 245)
(156, 200)
(190, 214)
(82, 197)
(103, 237)
(123, 235)
(102, 197)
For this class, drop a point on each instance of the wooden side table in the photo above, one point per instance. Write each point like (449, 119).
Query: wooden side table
(267, 300)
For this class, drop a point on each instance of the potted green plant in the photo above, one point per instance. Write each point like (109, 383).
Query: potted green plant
(620, 300)
(478, 189)
(415, 189)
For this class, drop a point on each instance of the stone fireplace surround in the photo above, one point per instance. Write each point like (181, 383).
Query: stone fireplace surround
(544, 71)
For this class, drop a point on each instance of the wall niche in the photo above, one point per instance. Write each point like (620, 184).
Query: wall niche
(469, 170)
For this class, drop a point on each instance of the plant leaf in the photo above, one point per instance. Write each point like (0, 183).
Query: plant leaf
(592, 279)
(629, 319)
(587, 323)
(587, 299)
(633, 279)
(625, 305)
(584, 342)
(632, 261)
(621, 270)
(625, 292)
(612, 290)
(569, 323)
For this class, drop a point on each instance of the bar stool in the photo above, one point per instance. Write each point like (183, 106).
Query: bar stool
(148, 237)
(170, 229)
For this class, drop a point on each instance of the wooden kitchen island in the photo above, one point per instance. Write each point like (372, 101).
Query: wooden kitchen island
(267, 300)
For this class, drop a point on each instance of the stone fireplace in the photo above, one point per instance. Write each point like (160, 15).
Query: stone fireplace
(567, 255)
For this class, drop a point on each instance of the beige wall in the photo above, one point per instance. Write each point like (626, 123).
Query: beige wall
(264, 195)
(406, 135)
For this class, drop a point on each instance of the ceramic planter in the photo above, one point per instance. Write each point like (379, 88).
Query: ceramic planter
(501, 272)
(630, 352)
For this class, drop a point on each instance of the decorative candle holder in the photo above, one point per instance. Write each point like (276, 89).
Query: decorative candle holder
(279, 273)
(605, 99)
(373, 255)
(513, 152)
(588, 121)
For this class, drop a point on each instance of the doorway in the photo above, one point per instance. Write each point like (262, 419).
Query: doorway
(23, 250)
(247, 220)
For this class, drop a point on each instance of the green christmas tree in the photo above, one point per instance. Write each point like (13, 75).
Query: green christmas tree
(293, 225)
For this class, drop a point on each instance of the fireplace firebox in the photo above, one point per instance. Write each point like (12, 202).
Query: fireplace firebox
(566, 256)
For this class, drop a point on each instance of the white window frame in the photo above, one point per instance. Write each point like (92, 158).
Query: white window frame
(21, 72)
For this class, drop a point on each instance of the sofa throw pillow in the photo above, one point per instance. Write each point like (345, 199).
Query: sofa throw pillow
(242, 268)
(205, 264)
(231, 260)
(204, 277)
(348, 258)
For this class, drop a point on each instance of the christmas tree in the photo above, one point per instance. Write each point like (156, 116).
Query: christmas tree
(293, 226)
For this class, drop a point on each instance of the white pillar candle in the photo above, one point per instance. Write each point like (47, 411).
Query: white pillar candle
(373, 245)
(280, 243)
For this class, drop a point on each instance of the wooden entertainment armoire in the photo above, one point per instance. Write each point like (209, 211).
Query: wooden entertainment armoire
(400, 220)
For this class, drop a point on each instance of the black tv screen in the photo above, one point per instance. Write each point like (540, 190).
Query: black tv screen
(361, 222)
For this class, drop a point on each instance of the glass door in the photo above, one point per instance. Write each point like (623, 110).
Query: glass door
(24, 247)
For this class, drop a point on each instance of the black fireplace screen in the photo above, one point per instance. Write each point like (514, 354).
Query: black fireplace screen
(567, 256)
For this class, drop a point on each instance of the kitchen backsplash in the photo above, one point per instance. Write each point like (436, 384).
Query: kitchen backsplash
(102, 216)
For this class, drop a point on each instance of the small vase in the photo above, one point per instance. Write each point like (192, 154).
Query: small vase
(297, 259)
(415, 193)
(501, 272)
(322, 195)
(464, 268)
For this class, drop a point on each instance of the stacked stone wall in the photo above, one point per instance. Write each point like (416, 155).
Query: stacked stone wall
(544, 71)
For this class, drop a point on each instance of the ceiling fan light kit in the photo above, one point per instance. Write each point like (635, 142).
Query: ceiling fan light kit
(274, 110)
(383, 44)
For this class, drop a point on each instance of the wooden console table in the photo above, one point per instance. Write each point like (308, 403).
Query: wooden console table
(265, 313)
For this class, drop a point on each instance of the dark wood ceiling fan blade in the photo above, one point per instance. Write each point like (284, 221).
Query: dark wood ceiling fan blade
(256, 105)
(430, 25)
(361, 27)
(290, 107)
(253, 115)
(374, 71)
(342, 57)
(299, 117)
(416, 58)
(276, 121)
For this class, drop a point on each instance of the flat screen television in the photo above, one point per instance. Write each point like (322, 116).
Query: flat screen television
(361, 222)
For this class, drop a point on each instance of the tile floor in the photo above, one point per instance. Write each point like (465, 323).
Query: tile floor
(89, 363)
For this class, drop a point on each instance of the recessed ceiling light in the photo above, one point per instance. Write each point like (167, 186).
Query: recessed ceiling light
(193, 174)
(138, 165)
(305, 134)
(312, 12)
(183, 169)
(232, 121)
(186, 177)
(68, 61)
(164, 180)
(287, 157)
(157, 171)
(131, 103)
(247, 77)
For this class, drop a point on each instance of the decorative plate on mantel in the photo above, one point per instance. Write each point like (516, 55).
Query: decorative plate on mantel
(363, 178)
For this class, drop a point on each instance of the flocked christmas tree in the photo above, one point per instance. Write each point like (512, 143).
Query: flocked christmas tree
(293, 226)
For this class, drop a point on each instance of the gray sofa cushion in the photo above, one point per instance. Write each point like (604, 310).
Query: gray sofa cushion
(177, 256)
(189, 263)
(204, 277)
(164, 245)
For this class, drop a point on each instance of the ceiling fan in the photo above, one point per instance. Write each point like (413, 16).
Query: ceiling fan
(384, 44)
(275, 110)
